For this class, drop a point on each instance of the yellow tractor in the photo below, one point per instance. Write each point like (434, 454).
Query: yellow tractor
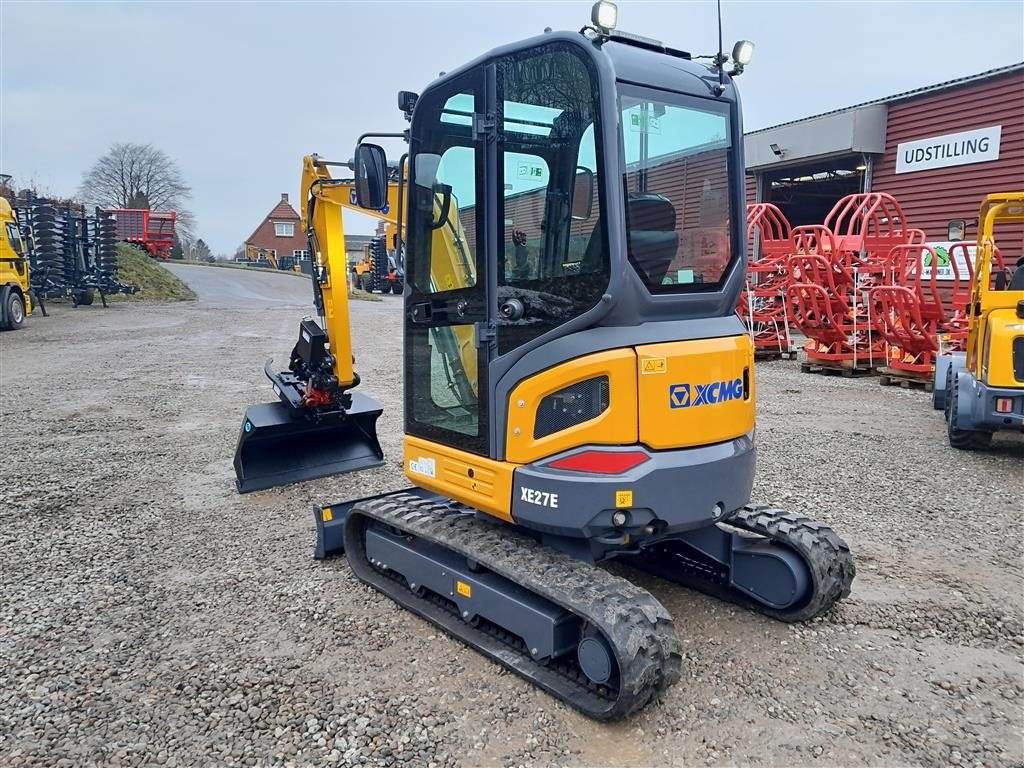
(15, 301)
(981, 390)
(378, 270)
(578, 387)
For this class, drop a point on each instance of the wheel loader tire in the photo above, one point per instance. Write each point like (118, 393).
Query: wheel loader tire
(963, 439)
(13, 316)
(396, 288)
(366, 282)
(84, 298)
(949, 389)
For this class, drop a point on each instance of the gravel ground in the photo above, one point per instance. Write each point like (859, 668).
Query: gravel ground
(150, 615)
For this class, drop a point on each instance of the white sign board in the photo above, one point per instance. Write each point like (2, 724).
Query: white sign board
(945, 266)
(978, 146)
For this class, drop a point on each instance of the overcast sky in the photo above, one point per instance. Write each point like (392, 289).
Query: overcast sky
(237, 93)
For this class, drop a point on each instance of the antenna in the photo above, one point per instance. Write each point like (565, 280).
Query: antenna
(720, 59)
(719, 5)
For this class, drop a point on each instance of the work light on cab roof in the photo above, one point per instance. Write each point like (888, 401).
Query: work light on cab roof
(604, 16)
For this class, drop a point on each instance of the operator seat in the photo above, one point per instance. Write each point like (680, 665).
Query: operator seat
(1017, 281)
(651, 229)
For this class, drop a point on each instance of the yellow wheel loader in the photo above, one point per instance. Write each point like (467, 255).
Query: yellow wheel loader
(578, 387)
(981, 390)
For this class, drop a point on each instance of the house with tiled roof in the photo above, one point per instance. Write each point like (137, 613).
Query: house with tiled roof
(280, 233)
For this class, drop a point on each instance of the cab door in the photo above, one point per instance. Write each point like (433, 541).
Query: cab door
(447, 315)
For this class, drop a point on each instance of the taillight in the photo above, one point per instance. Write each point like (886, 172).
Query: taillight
(1004, 405)
(601, 462)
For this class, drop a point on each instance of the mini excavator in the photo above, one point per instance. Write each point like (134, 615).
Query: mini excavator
(578, 387)
(318, 427)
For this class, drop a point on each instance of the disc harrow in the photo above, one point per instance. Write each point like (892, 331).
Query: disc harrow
(70, 255)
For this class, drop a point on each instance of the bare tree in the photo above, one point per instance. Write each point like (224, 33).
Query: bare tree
(135, 173)
(138, 176)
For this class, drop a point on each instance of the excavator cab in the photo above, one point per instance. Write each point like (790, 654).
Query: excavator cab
(567, 230)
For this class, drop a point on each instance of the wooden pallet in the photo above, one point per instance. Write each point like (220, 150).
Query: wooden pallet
(847, 372)
(888, 377)
(773, 354)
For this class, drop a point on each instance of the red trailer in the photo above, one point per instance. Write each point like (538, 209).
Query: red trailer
(153, 231)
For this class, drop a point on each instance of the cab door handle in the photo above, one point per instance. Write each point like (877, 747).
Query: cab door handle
(422, 312)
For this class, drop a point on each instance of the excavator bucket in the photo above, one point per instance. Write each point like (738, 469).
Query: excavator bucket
(277, 447)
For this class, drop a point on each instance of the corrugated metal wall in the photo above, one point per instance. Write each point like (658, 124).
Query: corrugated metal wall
(931, 198)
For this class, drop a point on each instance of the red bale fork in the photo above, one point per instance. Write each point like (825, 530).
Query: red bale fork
(920, 315)
(911, 314)
(833, 268)
(762, 304)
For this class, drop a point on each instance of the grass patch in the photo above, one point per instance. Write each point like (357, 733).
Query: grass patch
(154, 283)
(358, 294)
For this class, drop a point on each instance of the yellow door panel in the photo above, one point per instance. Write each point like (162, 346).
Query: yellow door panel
(695, 392)
(480, 482)
(1002, 327)
(616, 425)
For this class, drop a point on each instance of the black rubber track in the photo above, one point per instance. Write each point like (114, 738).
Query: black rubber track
(635, 624)
(826, 555)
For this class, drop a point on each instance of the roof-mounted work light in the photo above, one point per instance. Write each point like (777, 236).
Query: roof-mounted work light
(742, 53)
(604, 16)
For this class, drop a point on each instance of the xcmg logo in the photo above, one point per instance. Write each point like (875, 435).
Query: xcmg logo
(352, 199)
(692, 395)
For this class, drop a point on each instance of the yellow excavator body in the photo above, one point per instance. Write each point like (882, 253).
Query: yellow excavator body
(577, 385)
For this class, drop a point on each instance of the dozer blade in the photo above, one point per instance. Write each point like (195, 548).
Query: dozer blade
(277, 447)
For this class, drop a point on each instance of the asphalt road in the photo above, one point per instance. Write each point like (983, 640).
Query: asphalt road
(242, 288)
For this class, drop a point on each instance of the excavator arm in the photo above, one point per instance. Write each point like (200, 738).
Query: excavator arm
(324, 200)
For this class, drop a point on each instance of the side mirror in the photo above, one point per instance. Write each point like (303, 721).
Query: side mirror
(583, 194)
(371, 166)
(955, 230)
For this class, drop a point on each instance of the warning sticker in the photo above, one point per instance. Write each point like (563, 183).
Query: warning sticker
(623, 498)
(527, 171)
(327, 515)
(423, 466)
(652, 365)
(463, 589)
(641, 122)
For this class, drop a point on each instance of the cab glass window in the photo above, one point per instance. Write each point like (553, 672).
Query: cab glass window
(14, 238)
(677, 169)
(553, 258)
